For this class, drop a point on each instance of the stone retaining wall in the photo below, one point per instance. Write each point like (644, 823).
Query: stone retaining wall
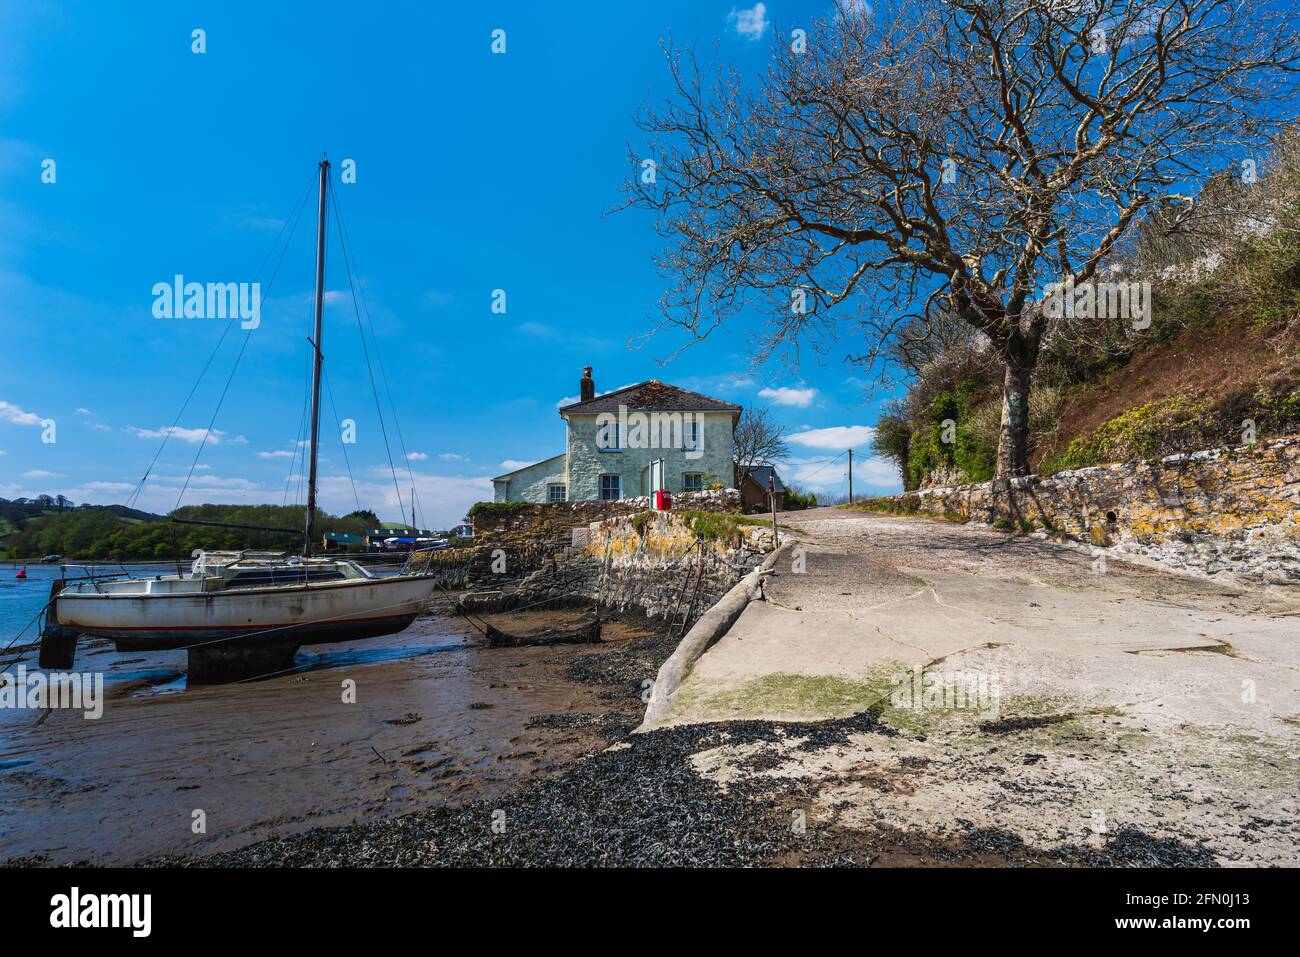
(552, 523)
(1233, 512)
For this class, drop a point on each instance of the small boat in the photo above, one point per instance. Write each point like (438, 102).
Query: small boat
(241, 613)
(22, 573)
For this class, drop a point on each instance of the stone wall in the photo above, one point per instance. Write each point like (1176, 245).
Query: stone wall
(1232, 512)
(551, 524)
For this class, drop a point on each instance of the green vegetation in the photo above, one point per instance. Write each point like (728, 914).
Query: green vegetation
(498, 510)
(718, 526)
(904, 505)
(1218, 365)
(100, 533)
(954, 432)
(796, 500)
(641, 521)
(818, 696)
(1177, 423)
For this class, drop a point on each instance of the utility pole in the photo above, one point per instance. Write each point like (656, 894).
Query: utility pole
(850, 476)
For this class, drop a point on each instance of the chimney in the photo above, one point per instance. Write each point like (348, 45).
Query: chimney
(586, 385)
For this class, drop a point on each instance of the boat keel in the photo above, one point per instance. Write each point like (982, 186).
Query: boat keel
(239, 661)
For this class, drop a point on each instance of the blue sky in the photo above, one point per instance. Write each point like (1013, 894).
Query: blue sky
(475, 172)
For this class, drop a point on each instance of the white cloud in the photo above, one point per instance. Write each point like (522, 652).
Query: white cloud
(84, 411)
(105, 487)
(253, 221)
(193, 436)
(416, 456)
(829, 478)
(11, 413)
(750, 23)
(511, 464)
(41, 473)
(801, 398)
(277, 454)
(212, 483)
(453, 457)
(835, 437)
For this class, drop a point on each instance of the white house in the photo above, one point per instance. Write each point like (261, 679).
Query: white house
(631, 442)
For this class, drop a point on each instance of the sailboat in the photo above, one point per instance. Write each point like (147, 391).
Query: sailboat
(242, 612)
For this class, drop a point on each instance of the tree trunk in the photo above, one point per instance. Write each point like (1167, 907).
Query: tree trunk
(1013, 439)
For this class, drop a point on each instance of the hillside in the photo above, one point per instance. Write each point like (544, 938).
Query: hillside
(121, 534)
(1218, 365)
(1194, 391)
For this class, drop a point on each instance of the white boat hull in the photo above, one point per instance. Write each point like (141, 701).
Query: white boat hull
(325, 611)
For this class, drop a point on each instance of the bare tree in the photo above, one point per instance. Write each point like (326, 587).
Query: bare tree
(960, 153)
(758, 441)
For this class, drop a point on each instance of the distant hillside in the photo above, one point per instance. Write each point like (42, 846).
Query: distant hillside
(121, 511)
(17, 514)
(118, 533)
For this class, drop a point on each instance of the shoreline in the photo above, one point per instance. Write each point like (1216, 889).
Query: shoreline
(439, 721)
(641, 802)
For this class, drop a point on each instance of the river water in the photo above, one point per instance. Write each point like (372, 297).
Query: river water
(22, 600)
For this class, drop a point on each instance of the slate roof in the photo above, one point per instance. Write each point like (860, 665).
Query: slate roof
(759, 474)
(652, 396)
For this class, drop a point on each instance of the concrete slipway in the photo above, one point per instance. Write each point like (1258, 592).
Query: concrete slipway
(1113, 697)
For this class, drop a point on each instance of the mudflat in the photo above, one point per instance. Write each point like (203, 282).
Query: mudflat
(358, 731)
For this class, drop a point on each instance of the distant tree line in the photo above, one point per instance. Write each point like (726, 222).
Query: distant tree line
(94, 533)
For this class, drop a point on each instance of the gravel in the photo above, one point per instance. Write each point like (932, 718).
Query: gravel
(640, 803)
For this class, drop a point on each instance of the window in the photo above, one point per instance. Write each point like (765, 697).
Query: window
(610, 487)
(691, 434)
(555, 492)
(693, 482)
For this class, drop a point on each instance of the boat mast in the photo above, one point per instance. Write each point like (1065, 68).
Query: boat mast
(309, 536)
